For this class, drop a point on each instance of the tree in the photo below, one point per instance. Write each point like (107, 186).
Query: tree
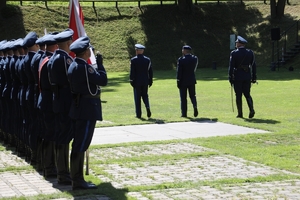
(277, 8)
(184, 5)
(2, 4)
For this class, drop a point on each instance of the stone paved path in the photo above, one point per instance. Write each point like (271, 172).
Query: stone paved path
(18, 179)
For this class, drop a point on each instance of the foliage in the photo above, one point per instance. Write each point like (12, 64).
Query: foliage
(162, 29)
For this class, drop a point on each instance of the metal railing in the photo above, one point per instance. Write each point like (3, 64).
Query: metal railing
(287, 47)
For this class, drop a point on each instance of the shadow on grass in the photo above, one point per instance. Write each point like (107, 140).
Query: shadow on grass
(262, 121)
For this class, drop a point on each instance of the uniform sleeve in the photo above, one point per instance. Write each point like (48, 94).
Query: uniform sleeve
(231, 66)
(196, 65)
(132, 70)
(179, 70)
(150, 71)
(253, 67)
(96, 77)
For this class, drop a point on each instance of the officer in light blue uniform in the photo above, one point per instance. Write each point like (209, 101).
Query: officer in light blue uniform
(242, 72)
(141, 77)
(45, 105)
(58, 66)
(186, 79)
(85, 110)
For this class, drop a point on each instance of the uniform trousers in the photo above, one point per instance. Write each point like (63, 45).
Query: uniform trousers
(83, 134)
(140, 92)
(63, 128)
(183, 97)
(242, 87)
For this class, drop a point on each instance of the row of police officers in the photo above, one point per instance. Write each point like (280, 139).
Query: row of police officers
(48, 99)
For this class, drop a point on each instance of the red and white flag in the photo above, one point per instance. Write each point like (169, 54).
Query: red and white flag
(76, 23)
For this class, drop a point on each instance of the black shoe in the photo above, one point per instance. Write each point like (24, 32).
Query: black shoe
(195, 112)
(183, 115)
(148, 112)
(82, 185)
(239, 116)
(64, 180)
(138, 116)
(251, 114)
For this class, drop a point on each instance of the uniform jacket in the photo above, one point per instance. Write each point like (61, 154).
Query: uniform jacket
(84, 81)
(58, 67)
(24, 82)
(46, 95)
(15, 79)
(186, 67)
(30, 78)
(141, 72)
(8, 84)
(2, 77)
(242, 65)
(35, 71)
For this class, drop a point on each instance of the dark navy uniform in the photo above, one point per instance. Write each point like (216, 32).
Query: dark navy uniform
(30, 43)
(15, 120)
(186, 79)
(58, 66)
(141, 77)
(18, 86)
(45, 105)
(7, 107)
(3, 134)
(242, 71)
(85, 108)
(38, 119)
(23, 107)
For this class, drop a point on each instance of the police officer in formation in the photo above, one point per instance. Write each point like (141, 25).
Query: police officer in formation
(58, 66)
(46, 108)
(85, 110)
(34, 86)
(141, 77)
(242, 72)
(186, 79)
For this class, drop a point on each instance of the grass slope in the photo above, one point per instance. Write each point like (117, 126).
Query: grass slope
(162, 29)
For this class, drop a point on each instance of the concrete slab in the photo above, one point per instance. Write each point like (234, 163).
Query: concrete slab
(169, 131)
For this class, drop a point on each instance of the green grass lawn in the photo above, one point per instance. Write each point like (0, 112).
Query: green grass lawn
(276, 102)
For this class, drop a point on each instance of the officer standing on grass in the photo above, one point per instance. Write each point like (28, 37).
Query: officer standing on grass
(186, 79)
(242, 72)
(58, 66)
(85, 108)
(141, 77)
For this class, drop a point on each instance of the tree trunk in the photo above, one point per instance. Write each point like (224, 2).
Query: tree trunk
(273, 8)
(2, 4)
(185, 6)
(280, 8)
(277, 8)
